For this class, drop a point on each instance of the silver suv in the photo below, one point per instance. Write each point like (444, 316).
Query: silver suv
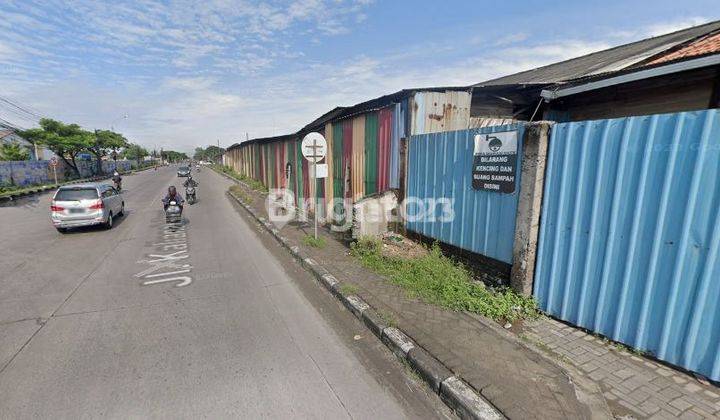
(86, 205)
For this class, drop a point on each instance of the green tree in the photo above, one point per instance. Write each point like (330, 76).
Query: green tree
(13, 151)
(105, 142)
(135, 152)
(173, 156)
(65, 140)
(199, 154)
(214, 153)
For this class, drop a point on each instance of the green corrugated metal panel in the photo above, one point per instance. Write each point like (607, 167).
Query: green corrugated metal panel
(337, 149)
(371, 153)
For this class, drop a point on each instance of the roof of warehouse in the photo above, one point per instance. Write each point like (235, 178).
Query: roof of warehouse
(373, 104)
(708, 44)
(607, 61)
(263, 140)
(342, 112)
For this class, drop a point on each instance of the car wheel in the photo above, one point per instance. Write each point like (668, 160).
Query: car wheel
(61, 230)
(109, 222)
(122, 210)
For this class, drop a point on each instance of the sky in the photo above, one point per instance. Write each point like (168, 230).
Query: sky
(182, 74)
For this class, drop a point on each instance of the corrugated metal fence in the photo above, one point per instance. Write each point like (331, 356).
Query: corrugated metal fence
(440, 167)
(630, 233)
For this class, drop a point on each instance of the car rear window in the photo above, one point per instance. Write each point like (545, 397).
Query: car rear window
(76, 194)
(184, 168)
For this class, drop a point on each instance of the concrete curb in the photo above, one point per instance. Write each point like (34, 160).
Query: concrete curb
(41, 189)
(456, 394)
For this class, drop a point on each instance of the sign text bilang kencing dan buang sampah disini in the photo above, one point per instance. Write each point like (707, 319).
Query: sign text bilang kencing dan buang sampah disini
(495, 162)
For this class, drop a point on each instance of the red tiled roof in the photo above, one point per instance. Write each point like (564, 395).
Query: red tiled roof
(706, 45)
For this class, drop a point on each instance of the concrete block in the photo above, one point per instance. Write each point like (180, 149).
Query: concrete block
(398, 342)
(355, 304)
(374, 322)
(466, 402)
(429, 368)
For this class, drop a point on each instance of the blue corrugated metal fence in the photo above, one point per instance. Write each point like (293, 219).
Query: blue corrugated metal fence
(440, 166)
(630, 233)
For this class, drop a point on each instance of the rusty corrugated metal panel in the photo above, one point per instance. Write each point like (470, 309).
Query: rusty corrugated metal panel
(384, 142)
(435, 112)
(357, 164)
(630, 233)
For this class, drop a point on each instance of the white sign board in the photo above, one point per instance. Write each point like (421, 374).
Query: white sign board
(495, 162)
(321, 171)
(314, 147)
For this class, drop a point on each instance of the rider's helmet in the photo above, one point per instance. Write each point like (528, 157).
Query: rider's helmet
(115, 173)
(172, 191)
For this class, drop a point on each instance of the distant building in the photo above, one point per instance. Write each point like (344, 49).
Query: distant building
(8, 135)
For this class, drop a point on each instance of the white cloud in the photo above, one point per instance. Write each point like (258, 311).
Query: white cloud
(194, 72)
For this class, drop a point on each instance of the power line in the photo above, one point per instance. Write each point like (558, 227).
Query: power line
(8, 124)
(24, 108)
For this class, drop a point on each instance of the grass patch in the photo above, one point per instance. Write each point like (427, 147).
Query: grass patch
(348, 289)
(439, 280)
(253, 183)
(310, 240)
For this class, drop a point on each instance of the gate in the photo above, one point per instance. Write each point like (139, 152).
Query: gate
(630, 234)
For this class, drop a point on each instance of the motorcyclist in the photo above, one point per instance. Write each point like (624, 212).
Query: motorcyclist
(189, 182)
(117, 179)
(172, 195)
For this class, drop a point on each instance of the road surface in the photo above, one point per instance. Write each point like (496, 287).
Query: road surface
(91, 326)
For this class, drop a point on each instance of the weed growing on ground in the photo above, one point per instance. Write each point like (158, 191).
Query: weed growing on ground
(388, 318)
(310, 240)
(253, 183)
(440, 280)
(348, 289)
(238, 192)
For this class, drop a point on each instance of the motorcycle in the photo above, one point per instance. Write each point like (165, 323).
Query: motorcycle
(190, 195)
(173, 212)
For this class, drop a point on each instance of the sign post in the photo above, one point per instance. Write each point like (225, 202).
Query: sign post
(53, 164)
(314, 149)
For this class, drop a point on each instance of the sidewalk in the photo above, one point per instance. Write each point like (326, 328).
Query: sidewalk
(632, 385)
(519, 382)
(547, 371)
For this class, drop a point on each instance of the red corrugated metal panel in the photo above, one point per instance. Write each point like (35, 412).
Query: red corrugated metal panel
(384, 138)
(329, 180)
(306, 181)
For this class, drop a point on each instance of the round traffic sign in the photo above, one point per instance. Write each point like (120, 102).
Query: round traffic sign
(314, 147)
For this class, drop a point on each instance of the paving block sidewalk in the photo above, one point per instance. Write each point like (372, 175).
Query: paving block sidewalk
(519, 382)
(634, 386)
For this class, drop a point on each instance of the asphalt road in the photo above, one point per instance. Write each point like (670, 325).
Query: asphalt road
(90, 326)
